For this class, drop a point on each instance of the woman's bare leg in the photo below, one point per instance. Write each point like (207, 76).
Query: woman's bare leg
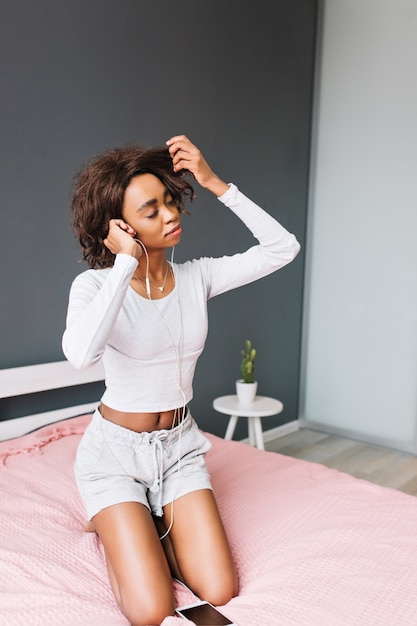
(137, 566)
(168, 547)
(201, 547)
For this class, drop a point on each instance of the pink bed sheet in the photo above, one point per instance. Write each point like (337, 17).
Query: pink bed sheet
(313, 546)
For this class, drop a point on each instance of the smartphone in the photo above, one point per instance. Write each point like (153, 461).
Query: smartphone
(204, 614)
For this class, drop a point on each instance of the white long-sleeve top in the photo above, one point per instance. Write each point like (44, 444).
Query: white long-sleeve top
(150, 348)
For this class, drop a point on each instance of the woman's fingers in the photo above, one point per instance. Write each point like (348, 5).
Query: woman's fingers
(120, 239)
(185, 155)
(121, 224)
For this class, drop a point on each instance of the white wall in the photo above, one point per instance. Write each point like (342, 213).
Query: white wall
(360, 331)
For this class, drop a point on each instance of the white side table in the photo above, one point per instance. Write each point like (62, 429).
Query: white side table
(262, 406)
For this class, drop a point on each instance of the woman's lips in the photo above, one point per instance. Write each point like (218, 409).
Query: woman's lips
(174, 232)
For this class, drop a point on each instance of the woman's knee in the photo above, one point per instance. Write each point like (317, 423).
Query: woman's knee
(148, 611)
(221, 590)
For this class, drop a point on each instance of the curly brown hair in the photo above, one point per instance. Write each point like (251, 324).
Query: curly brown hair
(99, 190)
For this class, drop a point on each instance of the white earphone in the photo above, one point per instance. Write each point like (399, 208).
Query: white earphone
(178, 356)
(147, 283)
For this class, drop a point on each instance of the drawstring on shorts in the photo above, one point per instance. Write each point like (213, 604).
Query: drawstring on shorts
(157, 440)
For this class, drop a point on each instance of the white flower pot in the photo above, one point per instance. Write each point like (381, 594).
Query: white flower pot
(246, 392)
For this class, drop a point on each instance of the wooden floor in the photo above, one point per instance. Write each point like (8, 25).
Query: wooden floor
(397, 470)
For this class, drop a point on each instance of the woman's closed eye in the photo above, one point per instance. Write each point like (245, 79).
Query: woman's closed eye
(168, 202)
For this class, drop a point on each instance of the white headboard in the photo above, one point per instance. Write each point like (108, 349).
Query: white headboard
(28, 379)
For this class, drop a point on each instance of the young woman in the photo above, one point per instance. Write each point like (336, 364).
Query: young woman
(142, 454)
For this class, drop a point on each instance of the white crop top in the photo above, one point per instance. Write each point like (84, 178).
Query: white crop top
(150, 347)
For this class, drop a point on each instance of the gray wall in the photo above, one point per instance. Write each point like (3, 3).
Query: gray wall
(360, 313)
(80, 76)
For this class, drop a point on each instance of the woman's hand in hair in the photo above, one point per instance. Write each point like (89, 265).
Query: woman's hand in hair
(186, 156)
(120, 240)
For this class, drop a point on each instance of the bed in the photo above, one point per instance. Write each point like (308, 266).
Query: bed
(313, 546)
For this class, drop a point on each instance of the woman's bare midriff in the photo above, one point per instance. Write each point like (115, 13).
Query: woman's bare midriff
(143, 422)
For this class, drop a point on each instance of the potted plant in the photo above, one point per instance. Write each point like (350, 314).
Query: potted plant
(246, 386)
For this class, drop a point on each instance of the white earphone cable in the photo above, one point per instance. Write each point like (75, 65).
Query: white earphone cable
(178, 349)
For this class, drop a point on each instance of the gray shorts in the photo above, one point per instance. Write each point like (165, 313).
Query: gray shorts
(115, 464)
